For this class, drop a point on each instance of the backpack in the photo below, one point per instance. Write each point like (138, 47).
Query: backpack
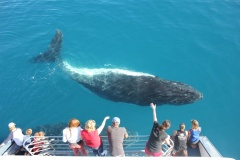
(181, 137)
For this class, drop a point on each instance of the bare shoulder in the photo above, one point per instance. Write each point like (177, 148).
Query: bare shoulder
(175, 132)
(199, 129)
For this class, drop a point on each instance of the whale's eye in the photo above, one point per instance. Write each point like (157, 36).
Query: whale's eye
(174, 101)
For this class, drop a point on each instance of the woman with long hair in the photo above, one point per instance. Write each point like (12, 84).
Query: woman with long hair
(157, 136)
(194, 133)
(71, 134)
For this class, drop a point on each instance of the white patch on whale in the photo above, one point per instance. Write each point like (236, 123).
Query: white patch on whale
(101, 71)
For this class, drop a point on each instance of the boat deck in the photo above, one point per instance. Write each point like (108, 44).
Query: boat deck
(133, 147)
(53, 145)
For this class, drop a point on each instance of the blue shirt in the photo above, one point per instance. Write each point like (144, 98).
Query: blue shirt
(194, 134)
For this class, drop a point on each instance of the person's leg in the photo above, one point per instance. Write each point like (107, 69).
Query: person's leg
(100, 149)
(194, 144)
(95, 152)
(185, 153)
(13, 149)
(82, 149)
(75, 149)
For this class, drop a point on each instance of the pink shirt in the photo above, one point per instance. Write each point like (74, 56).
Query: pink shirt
(92, 139)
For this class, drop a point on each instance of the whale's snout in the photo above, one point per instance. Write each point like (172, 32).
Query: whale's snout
(200, 96)
(194, 95)
(184, 94)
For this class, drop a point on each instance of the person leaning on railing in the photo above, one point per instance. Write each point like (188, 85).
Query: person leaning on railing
(27, 140)
(116, 135)
(157, 136)
(91, 137)
(37, 143)
(71, 134)
(180, 141)
(17, 137)
(194, 133)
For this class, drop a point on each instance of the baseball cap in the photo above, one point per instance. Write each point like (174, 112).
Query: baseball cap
(116, 120)
(10, 125)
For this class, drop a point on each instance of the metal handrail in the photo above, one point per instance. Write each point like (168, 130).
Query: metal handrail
(53, 145)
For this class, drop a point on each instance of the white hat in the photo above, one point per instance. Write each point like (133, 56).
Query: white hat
(116, 120)
(10, 125)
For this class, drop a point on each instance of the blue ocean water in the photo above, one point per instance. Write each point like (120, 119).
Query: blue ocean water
(194, 42)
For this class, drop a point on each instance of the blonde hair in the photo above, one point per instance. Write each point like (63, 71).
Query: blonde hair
(194, 124)
(37, 138)
(36, 134)
(73, 123)
(41, 133)
(182, 126)
(29, 131)
(90, 125)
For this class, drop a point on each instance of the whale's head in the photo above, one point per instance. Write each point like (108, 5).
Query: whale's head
(183, 94)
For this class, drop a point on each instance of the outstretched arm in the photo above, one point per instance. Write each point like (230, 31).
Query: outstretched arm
(153, 106)
(102, 125)
(10, 136)
(125, 134)
(167, 140)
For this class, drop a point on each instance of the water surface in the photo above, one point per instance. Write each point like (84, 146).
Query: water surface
(195, 42)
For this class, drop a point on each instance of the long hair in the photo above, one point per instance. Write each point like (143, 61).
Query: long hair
(165, 125)
(195, 124)
(73, 123)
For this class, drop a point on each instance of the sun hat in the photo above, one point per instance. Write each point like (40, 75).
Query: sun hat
(11, 124)
(116, 120)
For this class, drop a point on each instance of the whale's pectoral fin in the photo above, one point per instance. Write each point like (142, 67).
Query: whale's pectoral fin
(53, 51)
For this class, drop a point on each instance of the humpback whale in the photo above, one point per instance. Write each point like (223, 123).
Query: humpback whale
(120, 85)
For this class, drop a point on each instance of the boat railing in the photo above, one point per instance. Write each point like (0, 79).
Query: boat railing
(54, 146)
(207, 149)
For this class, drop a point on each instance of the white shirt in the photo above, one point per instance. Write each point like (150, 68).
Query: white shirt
(72, 135)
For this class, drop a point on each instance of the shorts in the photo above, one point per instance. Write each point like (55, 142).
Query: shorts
(75, 145)
(157, 154)
(97, 151)
(195, 142)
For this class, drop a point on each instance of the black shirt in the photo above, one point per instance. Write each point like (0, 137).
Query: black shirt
(156, 138)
